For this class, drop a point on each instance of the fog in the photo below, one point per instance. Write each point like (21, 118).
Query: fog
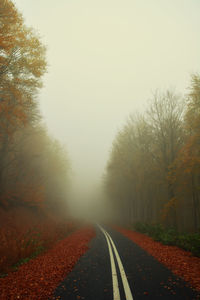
(105, 60)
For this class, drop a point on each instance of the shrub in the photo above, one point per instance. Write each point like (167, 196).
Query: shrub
(189, 242)
(169, 236)
(24, 235)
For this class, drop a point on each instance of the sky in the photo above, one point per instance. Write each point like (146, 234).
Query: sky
(106, 57)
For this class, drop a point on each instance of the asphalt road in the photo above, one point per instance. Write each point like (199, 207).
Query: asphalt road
(116, 268)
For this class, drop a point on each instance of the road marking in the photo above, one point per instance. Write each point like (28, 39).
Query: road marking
(121, 268)
(116, 294)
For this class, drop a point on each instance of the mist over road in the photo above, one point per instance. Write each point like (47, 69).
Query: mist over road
(116, 268)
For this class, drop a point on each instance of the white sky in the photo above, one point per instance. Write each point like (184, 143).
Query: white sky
(105, 59)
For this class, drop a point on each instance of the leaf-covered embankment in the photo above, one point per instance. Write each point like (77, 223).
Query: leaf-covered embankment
(25, 233)
(38, 278)
(179, 261)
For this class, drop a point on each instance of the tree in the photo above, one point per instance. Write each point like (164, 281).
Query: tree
(142, 156)
(186, 173)
(22, 64)
(166, 122)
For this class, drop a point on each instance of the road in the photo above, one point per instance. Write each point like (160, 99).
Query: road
(116, 268)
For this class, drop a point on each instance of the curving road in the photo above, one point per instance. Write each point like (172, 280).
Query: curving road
(115, 268)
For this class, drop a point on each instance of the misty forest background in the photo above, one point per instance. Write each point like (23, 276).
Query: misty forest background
(152, 176)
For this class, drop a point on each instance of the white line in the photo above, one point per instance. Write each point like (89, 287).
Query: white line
(116, 295)
(121, 268)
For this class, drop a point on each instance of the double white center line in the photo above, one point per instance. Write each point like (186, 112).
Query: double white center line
(113, 251)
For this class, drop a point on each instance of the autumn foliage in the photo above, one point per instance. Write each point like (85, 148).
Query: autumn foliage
(25, 234)
(39, 278)
(179, 261)
(34, 169)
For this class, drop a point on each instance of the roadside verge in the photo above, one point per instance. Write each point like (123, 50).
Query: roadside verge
(38, 278)
(179, 261)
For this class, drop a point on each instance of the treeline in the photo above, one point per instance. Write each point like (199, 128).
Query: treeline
(33, 167)
(153, 173)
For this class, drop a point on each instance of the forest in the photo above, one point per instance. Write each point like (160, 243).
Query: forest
(153, 172)
(34, 169)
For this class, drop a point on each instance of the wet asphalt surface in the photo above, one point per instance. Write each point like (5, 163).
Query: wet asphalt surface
(91, 278)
